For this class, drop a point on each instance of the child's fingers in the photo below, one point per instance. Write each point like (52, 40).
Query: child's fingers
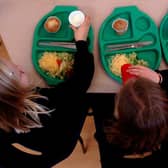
(73, 28)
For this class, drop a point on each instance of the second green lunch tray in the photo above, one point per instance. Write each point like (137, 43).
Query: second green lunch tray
(140, 28)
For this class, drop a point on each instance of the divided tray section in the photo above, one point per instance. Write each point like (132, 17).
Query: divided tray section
(140, 28)
(148, 55)
(47, 78)
(64, 34)
(164, 36)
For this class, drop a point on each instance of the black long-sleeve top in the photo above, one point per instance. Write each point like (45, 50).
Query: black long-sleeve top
(164, 83)
(61, 130)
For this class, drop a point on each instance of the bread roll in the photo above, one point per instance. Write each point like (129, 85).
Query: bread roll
(52, 24)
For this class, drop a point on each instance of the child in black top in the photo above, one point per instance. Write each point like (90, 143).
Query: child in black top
(52, 130)
(136, 134)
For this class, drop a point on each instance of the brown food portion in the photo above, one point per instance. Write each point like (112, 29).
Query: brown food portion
(120, 24)
(52, 24)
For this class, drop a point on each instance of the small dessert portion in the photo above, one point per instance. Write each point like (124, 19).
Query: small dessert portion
(52, 24)
(76, 18)
(120, 25)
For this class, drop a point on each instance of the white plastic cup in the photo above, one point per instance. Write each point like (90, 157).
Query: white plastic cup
(76, 18)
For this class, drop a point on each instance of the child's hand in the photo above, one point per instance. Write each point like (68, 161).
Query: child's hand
(145, 72)
(81, 32)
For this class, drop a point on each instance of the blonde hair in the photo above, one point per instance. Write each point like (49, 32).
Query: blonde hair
(18, 109)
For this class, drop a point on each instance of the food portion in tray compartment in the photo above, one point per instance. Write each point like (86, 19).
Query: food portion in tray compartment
(118, 60)
(57, 64)
(120, 25)
(52, 24)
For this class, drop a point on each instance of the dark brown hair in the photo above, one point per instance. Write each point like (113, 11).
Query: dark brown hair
(142, 109)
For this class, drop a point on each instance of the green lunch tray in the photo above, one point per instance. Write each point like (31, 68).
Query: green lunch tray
(164, 36)
(140, 28)
(64, 34)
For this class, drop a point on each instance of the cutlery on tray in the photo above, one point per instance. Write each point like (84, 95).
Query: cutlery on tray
(114, 47)
(70, 45)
